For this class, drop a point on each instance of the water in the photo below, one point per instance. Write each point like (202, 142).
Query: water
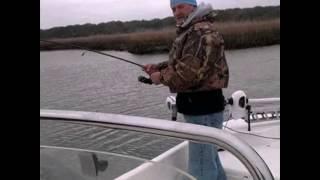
(69, 81)
(98, 83)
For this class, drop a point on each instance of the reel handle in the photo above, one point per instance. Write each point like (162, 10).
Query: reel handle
(144, 80)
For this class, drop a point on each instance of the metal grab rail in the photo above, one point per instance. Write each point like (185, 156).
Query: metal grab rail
(240, 149)
(264, 112)
(264, 100)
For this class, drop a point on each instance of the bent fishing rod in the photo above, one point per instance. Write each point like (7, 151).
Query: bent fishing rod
(140, 78)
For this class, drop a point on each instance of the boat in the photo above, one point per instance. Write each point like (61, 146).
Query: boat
(249, 144)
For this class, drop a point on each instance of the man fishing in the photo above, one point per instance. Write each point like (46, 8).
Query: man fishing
(197, 71)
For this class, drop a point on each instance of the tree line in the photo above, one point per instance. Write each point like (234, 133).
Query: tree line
(118, 27)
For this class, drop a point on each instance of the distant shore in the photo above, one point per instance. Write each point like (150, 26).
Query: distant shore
(237, 35)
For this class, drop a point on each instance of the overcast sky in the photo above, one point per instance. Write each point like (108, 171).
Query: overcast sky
(70, 12)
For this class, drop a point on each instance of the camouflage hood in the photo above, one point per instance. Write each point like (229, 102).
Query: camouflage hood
(202, 12)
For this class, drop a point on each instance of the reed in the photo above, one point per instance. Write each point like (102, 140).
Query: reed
(237, 35)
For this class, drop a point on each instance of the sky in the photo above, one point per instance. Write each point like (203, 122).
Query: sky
(54, 13)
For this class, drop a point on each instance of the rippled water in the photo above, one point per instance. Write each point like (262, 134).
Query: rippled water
(98, 83)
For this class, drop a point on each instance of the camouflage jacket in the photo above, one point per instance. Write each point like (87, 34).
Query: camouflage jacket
(197, 60)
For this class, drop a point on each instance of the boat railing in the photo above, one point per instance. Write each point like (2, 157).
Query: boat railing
(255, 165)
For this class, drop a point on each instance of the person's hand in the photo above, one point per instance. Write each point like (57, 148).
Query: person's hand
(155, 77)
(150, 68)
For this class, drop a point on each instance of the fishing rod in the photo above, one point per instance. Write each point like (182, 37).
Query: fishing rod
(140, 78)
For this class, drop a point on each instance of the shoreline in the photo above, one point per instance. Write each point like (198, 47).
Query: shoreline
(237, 35)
